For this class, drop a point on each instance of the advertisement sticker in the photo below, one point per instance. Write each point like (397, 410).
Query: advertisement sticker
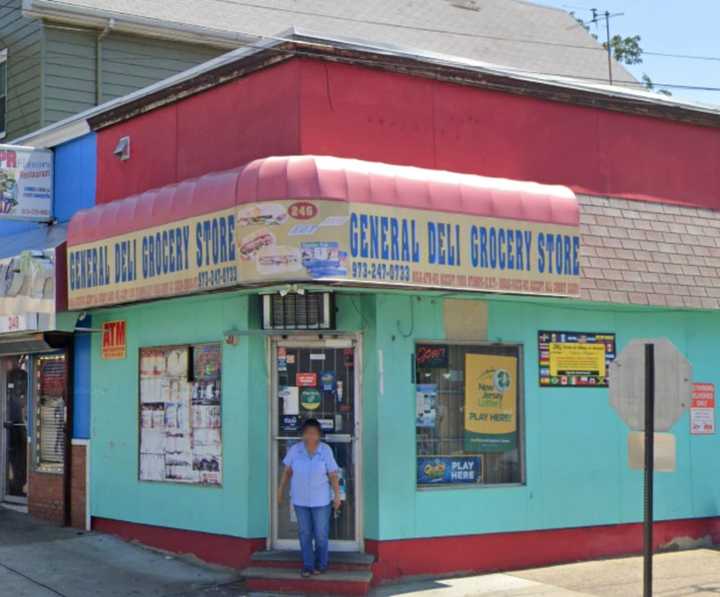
(441, 470)
(327, 424)
(310, 398)
(490, 403)
(327, 381)
(306, 380)
(575, 359)
(289, 423)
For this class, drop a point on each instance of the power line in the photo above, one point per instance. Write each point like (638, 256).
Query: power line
(424, 67)
(594, 47)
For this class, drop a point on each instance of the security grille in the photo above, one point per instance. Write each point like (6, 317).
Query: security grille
(308, 311)
(51, 413)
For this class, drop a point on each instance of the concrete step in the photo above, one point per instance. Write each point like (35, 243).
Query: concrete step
(292, 559)
(286, 580)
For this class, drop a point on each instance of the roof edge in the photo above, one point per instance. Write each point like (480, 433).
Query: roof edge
(133, 24)
(421, 64)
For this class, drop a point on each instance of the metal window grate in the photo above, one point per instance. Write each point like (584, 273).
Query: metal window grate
(309, 311)
(51, 444)
(51, 413)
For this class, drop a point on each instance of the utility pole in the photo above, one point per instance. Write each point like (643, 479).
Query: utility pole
(609, 49)
(596, 16)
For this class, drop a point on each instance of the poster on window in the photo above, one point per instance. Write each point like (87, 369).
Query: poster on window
(180, 414)
(426, 405)
(575, 359)
(490, 403)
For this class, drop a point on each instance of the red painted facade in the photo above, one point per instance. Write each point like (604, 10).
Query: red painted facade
(217, 549)
(313, 107)
(441, 555)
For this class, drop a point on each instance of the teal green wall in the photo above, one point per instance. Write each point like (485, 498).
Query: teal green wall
(576, 455)
(575, 444)
(115, 489)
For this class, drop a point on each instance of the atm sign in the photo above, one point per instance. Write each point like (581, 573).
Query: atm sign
(114, 340)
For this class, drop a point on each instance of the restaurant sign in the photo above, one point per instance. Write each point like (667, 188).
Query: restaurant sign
(332, 241)
(26, 182)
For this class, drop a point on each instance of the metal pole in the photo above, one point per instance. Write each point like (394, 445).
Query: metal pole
(609, 49)
(649, 467)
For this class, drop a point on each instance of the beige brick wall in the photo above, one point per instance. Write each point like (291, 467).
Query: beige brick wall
(636, 252)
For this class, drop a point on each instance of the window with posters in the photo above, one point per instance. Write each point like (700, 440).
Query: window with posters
(180, 414)
(468, 414)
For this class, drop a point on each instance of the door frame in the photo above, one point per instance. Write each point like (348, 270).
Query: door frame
(4, 497)
(304, 340)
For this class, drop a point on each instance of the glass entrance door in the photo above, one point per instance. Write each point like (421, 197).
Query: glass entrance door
(319, 380)
(14, 394)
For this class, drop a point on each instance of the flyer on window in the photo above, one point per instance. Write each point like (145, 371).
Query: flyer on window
(426, 405)
(180, 414)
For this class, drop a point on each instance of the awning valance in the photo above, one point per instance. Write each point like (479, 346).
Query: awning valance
(295, 218)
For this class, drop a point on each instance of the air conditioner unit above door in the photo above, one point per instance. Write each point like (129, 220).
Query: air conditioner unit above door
(296, 311)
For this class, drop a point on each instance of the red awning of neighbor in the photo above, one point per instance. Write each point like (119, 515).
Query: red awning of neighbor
(324, 177)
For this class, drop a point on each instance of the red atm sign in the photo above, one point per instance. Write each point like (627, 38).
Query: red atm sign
(114, 340)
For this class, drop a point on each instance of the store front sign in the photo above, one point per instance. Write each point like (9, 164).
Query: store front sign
(26, 183)
(276, 242)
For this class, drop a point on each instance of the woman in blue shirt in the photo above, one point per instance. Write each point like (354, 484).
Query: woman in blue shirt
(313, 473)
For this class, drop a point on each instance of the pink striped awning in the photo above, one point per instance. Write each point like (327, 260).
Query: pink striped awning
(324, 177)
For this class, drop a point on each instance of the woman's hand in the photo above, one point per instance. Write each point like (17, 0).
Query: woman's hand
(280, 497)
(337, 502)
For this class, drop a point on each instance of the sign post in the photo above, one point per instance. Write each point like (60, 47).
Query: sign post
(649, 467)
(650, 388)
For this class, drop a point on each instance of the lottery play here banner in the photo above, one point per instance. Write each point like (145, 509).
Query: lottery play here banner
(325, 240)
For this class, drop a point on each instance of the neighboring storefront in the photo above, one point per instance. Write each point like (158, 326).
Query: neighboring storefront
(451, 332)
(42, 356)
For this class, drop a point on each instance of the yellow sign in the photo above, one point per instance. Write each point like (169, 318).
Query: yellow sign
(184, 257)
(566, 358)
(295, 241)
(490, 403)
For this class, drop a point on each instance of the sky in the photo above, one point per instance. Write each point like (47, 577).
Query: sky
(669, 26)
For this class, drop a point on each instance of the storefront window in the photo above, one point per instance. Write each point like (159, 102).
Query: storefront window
(51, 413)
(180, 414)
(468, 414)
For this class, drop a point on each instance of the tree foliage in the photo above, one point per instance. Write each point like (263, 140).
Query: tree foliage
(626, 50)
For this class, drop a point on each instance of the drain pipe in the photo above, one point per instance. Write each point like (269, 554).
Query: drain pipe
(98, 60)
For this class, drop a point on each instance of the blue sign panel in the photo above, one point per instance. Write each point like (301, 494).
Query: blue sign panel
(443, 470)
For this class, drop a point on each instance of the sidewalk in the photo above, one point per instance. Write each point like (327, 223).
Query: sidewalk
(38, 560)
(693, 573)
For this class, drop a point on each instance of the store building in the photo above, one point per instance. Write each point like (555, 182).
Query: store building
(451, 331)
(44, 361)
